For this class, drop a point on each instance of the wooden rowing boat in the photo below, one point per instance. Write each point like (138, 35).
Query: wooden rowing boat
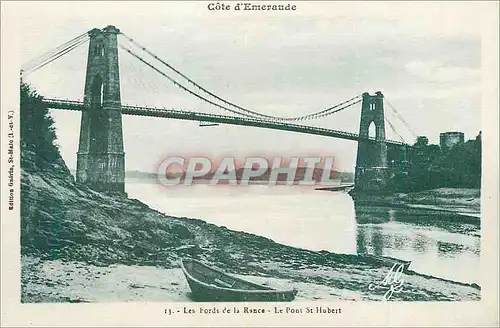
(212, 285)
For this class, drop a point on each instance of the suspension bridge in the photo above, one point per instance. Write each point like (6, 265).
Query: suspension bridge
(101, 159)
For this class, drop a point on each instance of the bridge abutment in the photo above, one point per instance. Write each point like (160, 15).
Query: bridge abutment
(100, 158)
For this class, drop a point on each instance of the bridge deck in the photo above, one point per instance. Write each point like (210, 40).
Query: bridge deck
(206, 117)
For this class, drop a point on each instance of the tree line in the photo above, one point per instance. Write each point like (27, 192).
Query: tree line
(431, 167)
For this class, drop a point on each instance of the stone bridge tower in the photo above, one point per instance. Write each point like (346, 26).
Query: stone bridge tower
(100, 158)
(371, 163)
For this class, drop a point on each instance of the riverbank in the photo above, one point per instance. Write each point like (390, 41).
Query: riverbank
(79, 245)
(49, 281)
(460, 200)
(82, 246)
(466, 203)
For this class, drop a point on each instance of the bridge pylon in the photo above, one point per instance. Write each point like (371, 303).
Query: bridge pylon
(100, 157)
(371, 164)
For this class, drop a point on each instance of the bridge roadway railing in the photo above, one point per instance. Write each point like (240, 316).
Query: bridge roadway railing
(216, 118)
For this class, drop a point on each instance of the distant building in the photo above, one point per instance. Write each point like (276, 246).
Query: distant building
(422, 141)
(448, 140)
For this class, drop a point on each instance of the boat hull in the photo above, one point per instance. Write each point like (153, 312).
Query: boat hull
(203, 291)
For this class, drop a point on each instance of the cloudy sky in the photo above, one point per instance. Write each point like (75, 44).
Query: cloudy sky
(425, 57)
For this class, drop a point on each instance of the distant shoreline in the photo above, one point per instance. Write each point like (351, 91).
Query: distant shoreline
(465, 202)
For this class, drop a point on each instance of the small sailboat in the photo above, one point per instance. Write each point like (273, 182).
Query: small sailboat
(212, 285)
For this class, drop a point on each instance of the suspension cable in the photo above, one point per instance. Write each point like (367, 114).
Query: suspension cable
(334, 109)
(178, 84)
(395, 131)
(207, 100)
(135, 77)
(36, 61)
(304, 117)
(54, 57)
(316, 116)
(401, 118)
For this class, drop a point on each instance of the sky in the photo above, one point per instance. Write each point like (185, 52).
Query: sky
(425, 57)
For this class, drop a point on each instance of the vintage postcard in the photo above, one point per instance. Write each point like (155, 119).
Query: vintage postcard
(249, 163)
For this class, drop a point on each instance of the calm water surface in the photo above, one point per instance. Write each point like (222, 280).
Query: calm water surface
(319, 220)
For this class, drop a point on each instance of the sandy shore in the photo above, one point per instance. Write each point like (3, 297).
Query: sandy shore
(46, 281)
(68, 281)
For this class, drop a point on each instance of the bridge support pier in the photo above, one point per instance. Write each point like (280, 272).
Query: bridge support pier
(372, 172)
(100, 158)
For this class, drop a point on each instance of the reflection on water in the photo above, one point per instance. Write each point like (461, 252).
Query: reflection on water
(439, 244)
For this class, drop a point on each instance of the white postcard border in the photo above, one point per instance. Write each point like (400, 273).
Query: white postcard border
(484, 312)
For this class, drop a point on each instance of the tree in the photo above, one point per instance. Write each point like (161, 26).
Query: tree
(460, 167)
(38, 134)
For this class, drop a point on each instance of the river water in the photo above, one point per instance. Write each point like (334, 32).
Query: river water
(321, 220)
